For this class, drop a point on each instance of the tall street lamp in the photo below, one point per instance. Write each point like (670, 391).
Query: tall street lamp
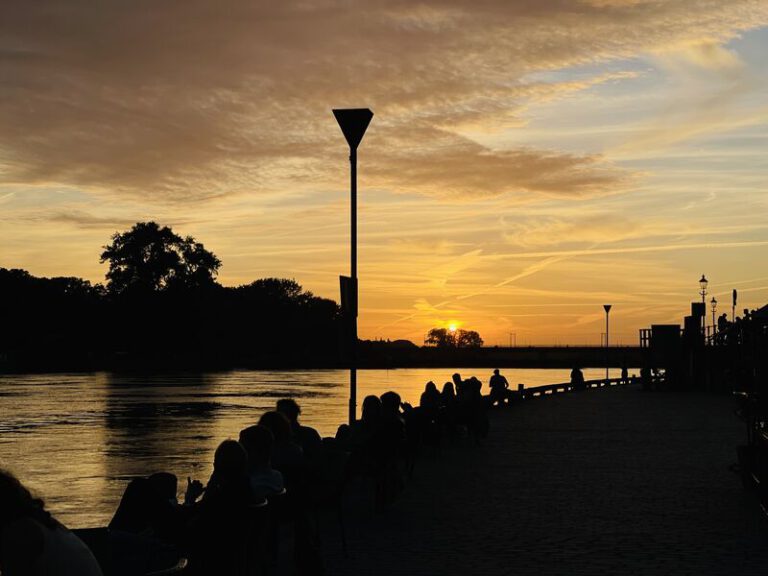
(607, 308)
(703, 285)
(713, 303)
(353, 123)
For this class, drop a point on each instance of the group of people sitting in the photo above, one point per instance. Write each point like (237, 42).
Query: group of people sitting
(390, 430)
(278, 470)
(273, 472)
(269, 476)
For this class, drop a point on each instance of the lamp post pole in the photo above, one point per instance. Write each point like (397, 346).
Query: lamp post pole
(713, 303)
(607, 308)
(353, 123)
(353, 275)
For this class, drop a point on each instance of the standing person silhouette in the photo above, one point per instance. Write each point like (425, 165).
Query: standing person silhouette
(499, 388)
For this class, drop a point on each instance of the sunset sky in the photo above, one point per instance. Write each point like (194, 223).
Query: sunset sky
(528, 161)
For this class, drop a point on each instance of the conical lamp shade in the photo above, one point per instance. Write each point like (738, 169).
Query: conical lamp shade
(353, 122)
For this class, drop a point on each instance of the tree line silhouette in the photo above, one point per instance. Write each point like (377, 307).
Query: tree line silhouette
(161, 307)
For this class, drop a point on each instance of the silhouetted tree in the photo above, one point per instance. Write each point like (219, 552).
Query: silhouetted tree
(443, 338)
(278, 314)
(278, 290)
(149, 258)
(468, 339)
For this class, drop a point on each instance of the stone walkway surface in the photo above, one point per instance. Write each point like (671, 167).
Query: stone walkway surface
(608, 481)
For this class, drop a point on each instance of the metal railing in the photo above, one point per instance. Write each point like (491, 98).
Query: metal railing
(549, 389)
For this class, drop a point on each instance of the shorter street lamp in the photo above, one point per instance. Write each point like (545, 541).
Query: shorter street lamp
(713, 303)
(607, 308)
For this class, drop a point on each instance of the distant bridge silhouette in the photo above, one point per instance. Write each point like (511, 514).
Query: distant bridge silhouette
(512, 357)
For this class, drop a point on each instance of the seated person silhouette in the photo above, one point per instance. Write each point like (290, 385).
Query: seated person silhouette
(474, 387)
(459, 386)
(219, 533)
(305, 436)
(475, 409)
(390, 444)
(149, 508)
(287, 455)
(577, 379)
(265, 480)
(362, 431)
(430, 400)
(391, 425)
(34, 542)
(229, 484)
(364, 439)
(448, 395)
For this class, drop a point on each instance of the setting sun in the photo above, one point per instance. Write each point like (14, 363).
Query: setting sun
(452, 327)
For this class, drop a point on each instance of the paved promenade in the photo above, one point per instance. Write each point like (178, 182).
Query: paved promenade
(611, 481)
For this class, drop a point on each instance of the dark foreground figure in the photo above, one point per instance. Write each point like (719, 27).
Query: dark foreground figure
(34, 543)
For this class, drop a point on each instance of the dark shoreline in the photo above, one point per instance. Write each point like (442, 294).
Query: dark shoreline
(370, 358)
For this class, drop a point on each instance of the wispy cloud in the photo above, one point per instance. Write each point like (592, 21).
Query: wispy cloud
(183, 101)
(639, 249)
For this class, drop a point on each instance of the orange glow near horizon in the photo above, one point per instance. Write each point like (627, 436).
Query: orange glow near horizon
(515, 177)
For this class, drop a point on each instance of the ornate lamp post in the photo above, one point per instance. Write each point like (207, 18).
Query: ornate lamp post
(713, 303)
(703, 284)
(353, 123)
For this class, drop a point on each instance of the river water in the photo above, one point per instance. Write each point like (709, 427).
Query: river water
(76, 439)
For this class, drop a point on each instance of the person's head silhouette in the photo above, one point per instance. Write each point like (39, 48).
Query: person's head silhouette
(257, 441)
(371, 409)
(278, 424)
(230, 460)
(390, 403)
(290, 408)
